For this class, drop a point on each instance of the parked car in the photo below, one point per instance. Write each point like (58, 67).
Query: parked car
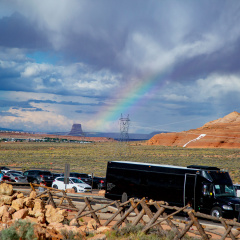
(37, 176)
(82, 176)
(4, 169)
(237, 189)
(13, 171)
(98, 182)
(55, 175)
(7, 179)
(75, 183)
(16, 177)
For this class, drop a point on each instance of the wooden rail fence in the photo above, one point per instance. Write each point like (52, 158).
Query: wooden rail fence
(157, 212)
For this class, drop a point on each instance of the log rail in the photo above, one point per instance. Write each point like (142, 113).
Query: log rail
(157, 212)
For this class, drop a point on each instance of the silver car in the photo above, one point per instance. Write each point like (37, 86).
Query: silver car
(17, 177)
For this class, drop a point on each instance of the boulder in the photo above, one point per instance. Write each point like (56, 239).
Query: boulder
(33, 194)
(17, 204)
(54, 215)
(41, 219)
(32, 219)
(74, 222)
(6, 189)
(20, 214)
(28, 202)
(103, 229)
(3, 209)
(38, 204)
(6, 217)
(92, 225)
(11, 210)
(20, 195)
(39, 213)
(62, 212)
(5, 199)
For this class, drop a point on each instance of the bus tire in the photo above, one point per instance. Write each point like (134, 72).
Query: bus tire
(216, 212)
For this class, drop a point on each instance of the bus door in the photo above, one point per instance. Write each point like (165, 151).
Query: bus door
(206, 199)
(189, 189)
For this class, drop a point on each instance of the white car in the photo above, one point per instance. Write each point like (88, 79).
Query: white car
(75, 183)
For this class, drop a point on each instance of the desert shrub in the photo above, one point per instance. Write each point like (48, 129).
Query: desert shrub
(130, 232)
(21, 229)
(70, 235)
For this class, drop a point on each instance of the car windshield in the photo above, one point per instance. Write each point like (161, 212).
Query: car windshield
(224, 190)
(16, 174)
(76, 180)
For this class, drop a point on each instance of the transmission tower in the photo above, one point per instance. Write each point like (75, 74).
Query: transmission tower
(123, 148)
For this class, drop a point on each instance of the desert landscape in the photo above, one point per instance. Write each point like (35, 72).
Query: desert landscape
(221, 133)
(220, 147)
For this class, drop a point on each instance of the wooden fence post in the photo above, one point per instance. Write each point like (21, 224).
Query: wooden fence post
(154, 219)
(90, 209)
(198, 225)
(228, 229)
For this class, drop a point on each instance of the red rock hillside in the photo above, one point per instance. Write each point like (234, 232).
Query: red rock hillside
(221, 133)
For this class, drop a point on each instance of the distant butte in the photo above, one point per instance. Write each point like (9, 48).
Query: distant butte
(221, 133)
(76, 130)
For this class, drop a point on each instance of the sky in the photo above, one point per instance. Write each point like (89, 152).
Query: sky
(166, 65)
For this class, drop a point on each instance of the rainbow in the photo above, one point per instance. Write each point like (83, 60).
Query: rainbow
(130, 98)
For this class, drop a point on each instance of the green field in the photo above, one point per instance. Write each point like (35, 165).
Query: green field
(93, 157)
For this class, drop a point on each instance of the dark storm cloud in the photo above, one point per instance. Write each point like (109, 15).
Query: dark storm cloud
(102, 49)
(8, 114)
(34, 110)
(226, 60)
(67, 103)
(17, 31)
(15, 104)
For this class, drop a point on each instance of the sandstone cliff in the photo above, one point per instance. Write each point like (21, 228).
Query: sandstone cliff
(221, 133)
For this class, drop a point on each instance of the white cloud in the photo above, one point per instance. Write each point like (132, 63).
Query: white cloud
(36, 121)
(35, 69)
(215, 86)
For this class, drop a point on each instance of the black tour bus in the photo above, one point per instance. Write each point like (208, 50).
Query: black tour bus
(208, 189)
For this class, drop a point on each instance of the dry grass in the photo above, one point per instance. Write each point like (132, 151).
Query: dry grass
(94, 157)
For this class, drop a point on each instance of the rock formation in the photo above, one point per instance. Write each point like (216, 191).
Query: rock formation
(76, 130)
(221, 133)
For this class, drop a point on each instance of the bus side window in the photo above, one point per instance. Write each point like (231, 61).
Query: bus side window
(205, 190)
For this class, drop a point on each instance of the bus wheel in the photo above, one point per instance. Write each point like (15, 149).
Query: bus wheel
(124, 197)
(216, 212)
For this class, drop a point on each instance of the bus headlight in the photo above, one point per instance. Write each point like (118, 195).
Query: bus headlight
(226, 207)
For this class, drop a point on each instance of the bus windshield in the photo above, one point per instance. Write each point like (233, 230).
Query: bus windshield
(222, 190)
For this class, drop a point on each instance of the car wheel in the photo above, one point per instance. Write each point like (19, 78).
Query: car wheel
(35, 181)
(75, 189)
(55, 186)
(216, 212)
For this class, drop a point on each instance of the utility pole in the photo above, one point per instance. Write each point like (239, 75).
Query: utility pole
(123, 148)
